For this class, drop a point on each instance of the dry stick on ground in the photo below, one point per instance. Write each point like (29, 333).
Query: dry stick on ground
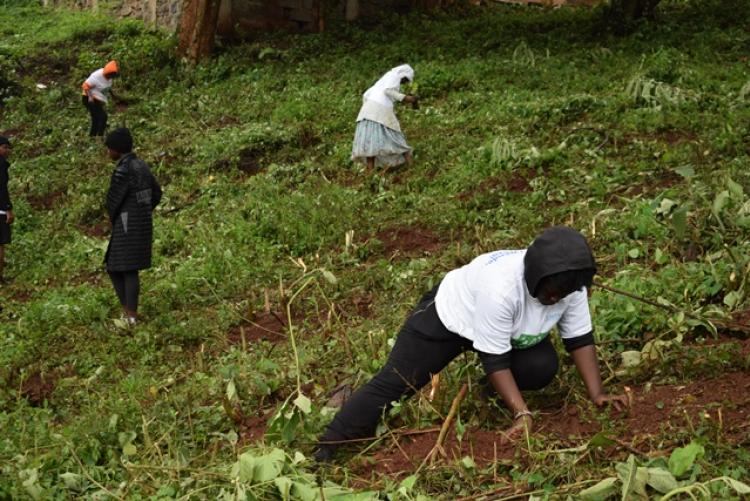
(403, 433)
(438, 448)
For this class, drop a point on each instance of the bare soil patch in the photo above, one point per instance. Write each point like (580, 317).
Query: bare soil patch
(96, 230)
(271, 327)
(252, 428)
(408, 241)
(47, 201)
(37, 387)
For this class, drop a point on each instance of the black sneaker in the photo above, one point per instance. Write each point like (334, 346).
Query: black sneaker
(324, 453)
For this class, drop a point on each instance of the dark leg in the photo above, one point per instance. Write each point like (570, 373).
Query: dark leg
(90, 108)
(423, 348)
(2, 260)
(118, 281)
(534, 368)
(132, 289)
(370, 164)
(102, 119)
(99, 118)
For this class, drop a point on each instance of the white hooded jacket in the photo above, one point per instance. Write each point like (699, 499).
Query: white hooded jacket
(377, 101)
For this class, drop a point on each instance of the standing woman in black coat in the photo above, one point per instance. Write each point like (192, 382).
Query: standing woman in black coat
(133, 194)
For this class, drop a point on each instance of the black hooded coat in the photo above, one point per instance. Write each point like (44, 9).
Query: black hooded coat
(133, 194)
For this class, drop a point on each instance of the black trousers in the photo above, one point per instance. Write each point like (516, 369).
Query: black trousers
(98, 116)
(127, 287)
(423, 348)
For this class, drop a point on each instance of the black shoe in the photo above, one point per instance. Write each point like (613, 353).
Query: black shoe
(324, 453)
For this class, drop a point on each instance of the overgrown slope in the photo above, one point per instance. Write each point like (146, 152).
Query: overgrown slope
(282, 271)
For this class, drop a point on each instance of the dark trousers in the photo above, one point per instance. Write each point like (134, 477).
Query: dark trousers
(98, 116)
(127, 287)
(423, 348)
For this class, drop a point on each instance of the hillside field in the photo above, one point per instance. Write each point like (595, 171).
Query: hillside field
(282, 271)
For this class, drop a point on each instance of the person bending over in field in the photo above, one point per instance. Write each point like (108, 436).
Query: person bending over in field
(501, 305)
(378, 140)
(133, 195)
(6, 208)
(94, 98)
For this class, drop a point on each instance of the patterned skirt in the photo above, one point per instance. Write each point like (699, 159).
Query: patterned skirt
(373, 139)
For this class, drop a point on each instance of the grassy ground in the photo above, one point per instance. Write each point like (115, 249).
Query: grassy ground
(282, 271)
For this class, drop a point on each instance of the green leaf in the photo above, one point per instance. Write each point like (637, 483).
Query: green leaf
(739, 487)
(720, 203)
(231, 390)
(631, 358)
(468, 463)
(686, 171)
(303, 403)
(268, 467)
(284, 485)
(661, 480)
(627, 473)
(129, 449)
(599, 491)
(634, 252)
(735, 189)
(660, 257)
(73, 481)
(330, 277)
(600, 440)
(407, 485)
(679, 221)
(304, 491)
(244, 467)
(732, 299)
(682, 458)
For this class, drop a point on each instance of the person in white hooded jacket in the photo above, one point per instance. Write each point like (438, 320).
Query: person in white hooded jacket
(378, 140)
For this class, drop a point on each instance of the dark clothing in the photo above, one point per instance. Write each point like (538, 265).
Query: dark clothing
(133, 194)
(556, 250)
(127, 286)
(5, 204)
(98, 116)
(423, 348)
(5, 233)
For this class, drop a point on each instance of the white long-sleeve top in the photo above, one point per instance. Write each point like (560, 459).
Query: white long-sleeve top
(97, 85)
(372, 110)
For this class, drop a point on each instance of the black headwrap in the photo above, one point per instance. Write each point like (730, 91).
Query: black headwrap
(120, 140)
(556, 250)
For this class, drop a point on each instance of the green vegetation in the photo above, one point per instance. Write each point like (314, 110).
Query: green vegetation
(529, 118)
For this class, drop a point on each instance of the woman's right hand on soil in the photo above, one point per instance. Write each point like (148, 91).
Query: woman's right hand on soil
(620, 402)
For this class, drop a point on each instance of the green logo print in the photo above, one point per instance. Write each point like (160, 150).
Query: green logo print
(527, 340)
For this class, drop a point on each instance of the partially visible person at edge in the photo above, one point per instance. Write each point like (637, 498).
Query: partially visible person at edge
(95, 90)
(6, 208)
(133, 194)
(502, 305)
(378, 140)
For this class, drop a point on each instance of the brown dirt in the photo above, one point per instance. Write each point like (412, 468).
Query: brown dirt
(408, 241)
(655, 413)
(47, 201)
(360, 306)
(485, 186)
(97, 230)
(264, 326)
(38, 387)
(252, 428)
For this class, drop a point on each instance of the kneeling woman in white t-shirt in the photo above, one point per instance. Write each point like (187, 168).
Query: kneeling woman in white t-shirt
(502, 305)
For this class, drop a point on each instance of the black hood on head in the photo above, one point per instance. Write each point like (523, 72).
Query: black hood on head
(556, 250)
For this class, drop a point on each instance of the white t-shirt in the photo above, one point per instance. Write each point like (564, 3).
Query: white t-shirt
(487, 302)
(100, 85)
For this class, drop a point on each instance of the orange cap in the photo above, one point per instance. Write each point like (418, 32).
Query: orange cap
(111, 67)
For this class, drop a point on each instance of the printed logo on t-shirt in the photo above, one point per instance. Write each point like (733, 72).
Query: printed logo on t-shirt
(527, 340)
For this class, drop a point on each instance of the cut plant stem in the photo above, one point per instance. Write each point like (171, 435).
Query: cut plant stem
(438, 448)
